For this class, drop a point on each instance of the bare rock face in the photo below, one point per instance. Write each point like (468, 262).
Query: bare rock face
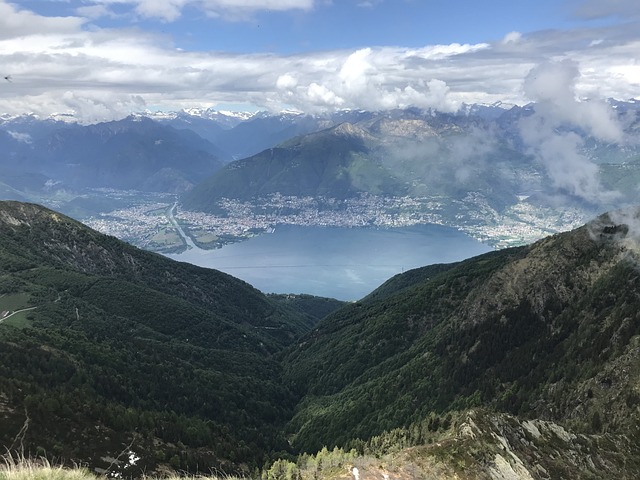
(487, 445)
(496, 446)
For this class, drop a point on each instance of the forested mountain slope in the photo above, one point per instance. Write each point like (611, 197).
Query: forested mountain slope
(523, 360)
(389, 154)
(112, 346)
(546, 331)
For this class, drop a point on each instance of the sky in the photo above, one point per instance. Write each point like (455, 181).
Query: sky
(104, 59)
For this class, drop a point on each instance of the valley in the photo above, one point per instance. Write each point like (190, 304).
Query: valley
(476, 367)
(319, 240)
(456, 370)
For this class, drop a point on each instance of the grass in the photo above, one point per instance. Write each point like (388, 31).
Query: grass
(11, 303)
(19, 320)
(28, 469)
(41, 469)
(14, 301)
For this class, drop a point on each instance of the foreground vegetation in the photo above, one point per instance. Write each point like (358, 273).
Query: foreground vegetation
(42, 469)
(124, 347)
(472, 445)
(512, 360)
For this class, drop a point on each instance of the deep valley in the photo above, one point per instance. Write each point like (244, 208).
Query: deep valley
(192, 369)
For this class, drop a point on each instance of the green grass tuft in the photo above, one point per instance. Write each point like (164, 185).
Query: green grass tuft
(40, 469)
(12, 468)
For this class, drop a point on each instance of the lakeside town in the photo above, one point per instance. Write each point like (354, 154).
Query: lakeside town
(151, 223)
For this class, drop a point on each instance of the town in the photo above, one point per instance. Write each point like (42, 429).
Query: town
(150, 223)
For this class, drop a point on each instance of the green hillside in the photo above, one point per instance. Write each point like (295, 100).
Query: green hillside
(382, 157)
(542, 332)
(336, 163)
(127, 347)
(310, 307)
(518, 362)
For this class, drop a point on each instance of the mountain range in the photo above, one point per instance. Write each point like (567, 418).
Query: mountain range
(134, 153)
(419, 154)
(473, 165)
(401, 154)
(521, 360)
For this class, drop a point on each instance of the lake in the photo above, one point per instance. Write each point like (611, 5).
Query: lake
(343, 263)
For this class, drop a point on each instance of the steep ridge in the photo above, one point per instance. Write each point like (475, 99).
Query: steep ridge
(338, 162)
(478, 444)
(491, 445)
(547, 331)
(111, 347)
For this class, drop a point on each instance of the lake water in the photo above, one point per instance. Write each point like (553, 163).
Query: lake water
(343, 263)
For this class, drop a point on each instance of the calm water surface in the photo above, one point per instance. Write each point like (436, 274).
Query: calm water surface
(343, 263)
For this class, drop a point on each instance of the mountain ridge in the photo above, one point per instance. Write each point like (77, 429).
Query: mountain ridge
(109, 339)
(133, 153)
(502, 329)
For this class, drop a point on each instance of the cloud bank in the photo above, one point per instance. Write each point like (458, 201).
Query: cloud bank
(549, 135)
(67, 65)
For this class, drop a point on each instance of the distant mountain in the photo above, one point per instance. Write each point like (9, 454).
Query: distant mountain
(389, 154)
(111, 346)
(469, 170)
(243, 136)
(335, 163)
(223, 119)
(427, 152)
(134, 153)
(549, 331)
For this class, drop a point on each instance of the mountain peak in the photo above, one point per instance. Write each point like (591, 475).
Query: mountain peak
(620, 226)
(347, 129)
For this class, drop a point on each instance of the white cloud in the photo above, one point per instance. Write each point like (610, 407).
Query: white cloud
(286, 82)
(47, 57)
(20, 137)
(95, 11)
(552, 86)
(356, 70)
(168, 10)
(366, 78)
(171, 10)
(512, 37)
(321, 96)
(22, 23)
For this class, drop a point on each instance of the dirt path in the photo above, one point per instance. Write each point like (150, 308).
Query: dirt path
(17, 311)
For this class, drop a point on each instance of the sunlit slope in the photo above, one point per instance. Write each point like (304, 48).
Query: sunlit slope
(548, 331)
(336, 163)
(380, 156)
(127, 347)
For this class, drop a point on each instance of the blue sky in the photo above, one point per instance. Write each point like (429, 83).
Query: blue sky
(102, 59)
(347, 25)
(339, 24)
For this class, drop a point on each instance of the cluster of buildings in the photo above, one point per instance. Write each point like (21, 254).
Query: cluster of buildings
(520, 224)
